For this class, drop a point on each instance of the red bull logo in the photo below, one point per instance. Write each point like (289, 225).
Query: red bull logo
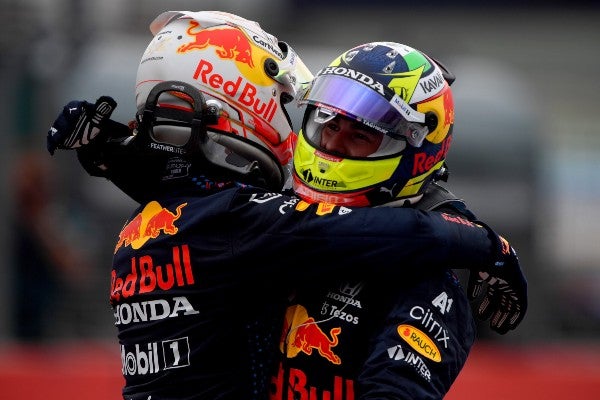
(305, 336)
(130, 232)
(424, 162)
(298, 386)
(147, 274)
(457, 219)
(149, 224)
(243, 92)
(229, 43)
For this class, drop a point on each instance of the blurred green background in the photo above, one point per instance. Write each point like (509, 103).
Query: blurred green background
(525, 156)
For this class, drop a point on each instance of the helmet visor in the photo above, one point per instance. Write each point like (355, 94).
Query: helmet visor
(319, 119)
(385, 113)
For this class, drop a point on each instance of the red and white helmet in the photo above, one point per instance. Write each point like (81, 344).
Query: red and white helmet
(217, 83)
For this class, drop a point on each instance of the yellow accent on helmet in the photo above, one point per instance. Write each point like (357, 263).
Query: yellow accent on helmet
(335, 174)
(365, 85)
(414, 185)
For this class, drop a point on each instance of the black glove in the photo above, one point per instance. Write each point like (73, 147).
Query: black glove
(500, 292)
(79, 123)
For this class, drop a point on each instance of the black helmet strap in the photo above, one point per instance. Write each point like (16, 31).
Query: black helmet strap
(200, 116)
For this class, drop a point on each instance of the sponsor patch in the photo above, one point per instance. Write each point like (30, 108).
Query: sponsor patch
(420, 342)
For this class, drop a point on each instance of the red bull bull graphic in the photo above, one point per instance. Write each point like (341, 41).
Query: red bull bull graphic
(235, 45)
(304, 335)
(448, 108)
(130, 232)
(229, 43)
(148, 224)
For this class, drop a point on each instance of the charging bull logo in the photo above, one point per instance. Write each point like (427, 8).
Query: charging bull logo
(148, 224)
(229, 43)
(448, 108)
(304, 335)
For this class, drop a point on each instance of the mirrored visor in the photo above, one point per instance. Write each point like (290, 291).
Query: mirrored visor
(392, 116)
(352, 97)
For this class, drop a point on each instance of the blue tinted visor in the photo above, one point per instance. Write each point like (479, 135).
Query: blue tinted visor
(388, 114)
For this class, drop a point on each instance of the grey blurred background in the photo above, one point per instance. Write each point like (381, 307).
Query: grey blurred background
(526, 153)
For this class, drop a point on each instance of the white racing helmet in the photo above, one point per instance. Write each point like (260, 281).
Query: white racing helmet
(215, 85)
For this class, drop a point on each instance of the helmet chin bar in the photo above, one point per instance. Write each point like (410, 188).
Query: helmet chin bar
(195, 119)
(228, 157)
(243, 160)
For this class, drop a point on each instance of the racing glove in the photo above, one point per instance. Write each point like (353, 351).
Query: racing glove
(500, 292)
(81, 122)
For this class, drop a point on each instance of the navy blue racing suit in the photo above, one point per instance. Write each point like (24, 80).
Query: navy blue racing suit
(398, 337)
(201, 277)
